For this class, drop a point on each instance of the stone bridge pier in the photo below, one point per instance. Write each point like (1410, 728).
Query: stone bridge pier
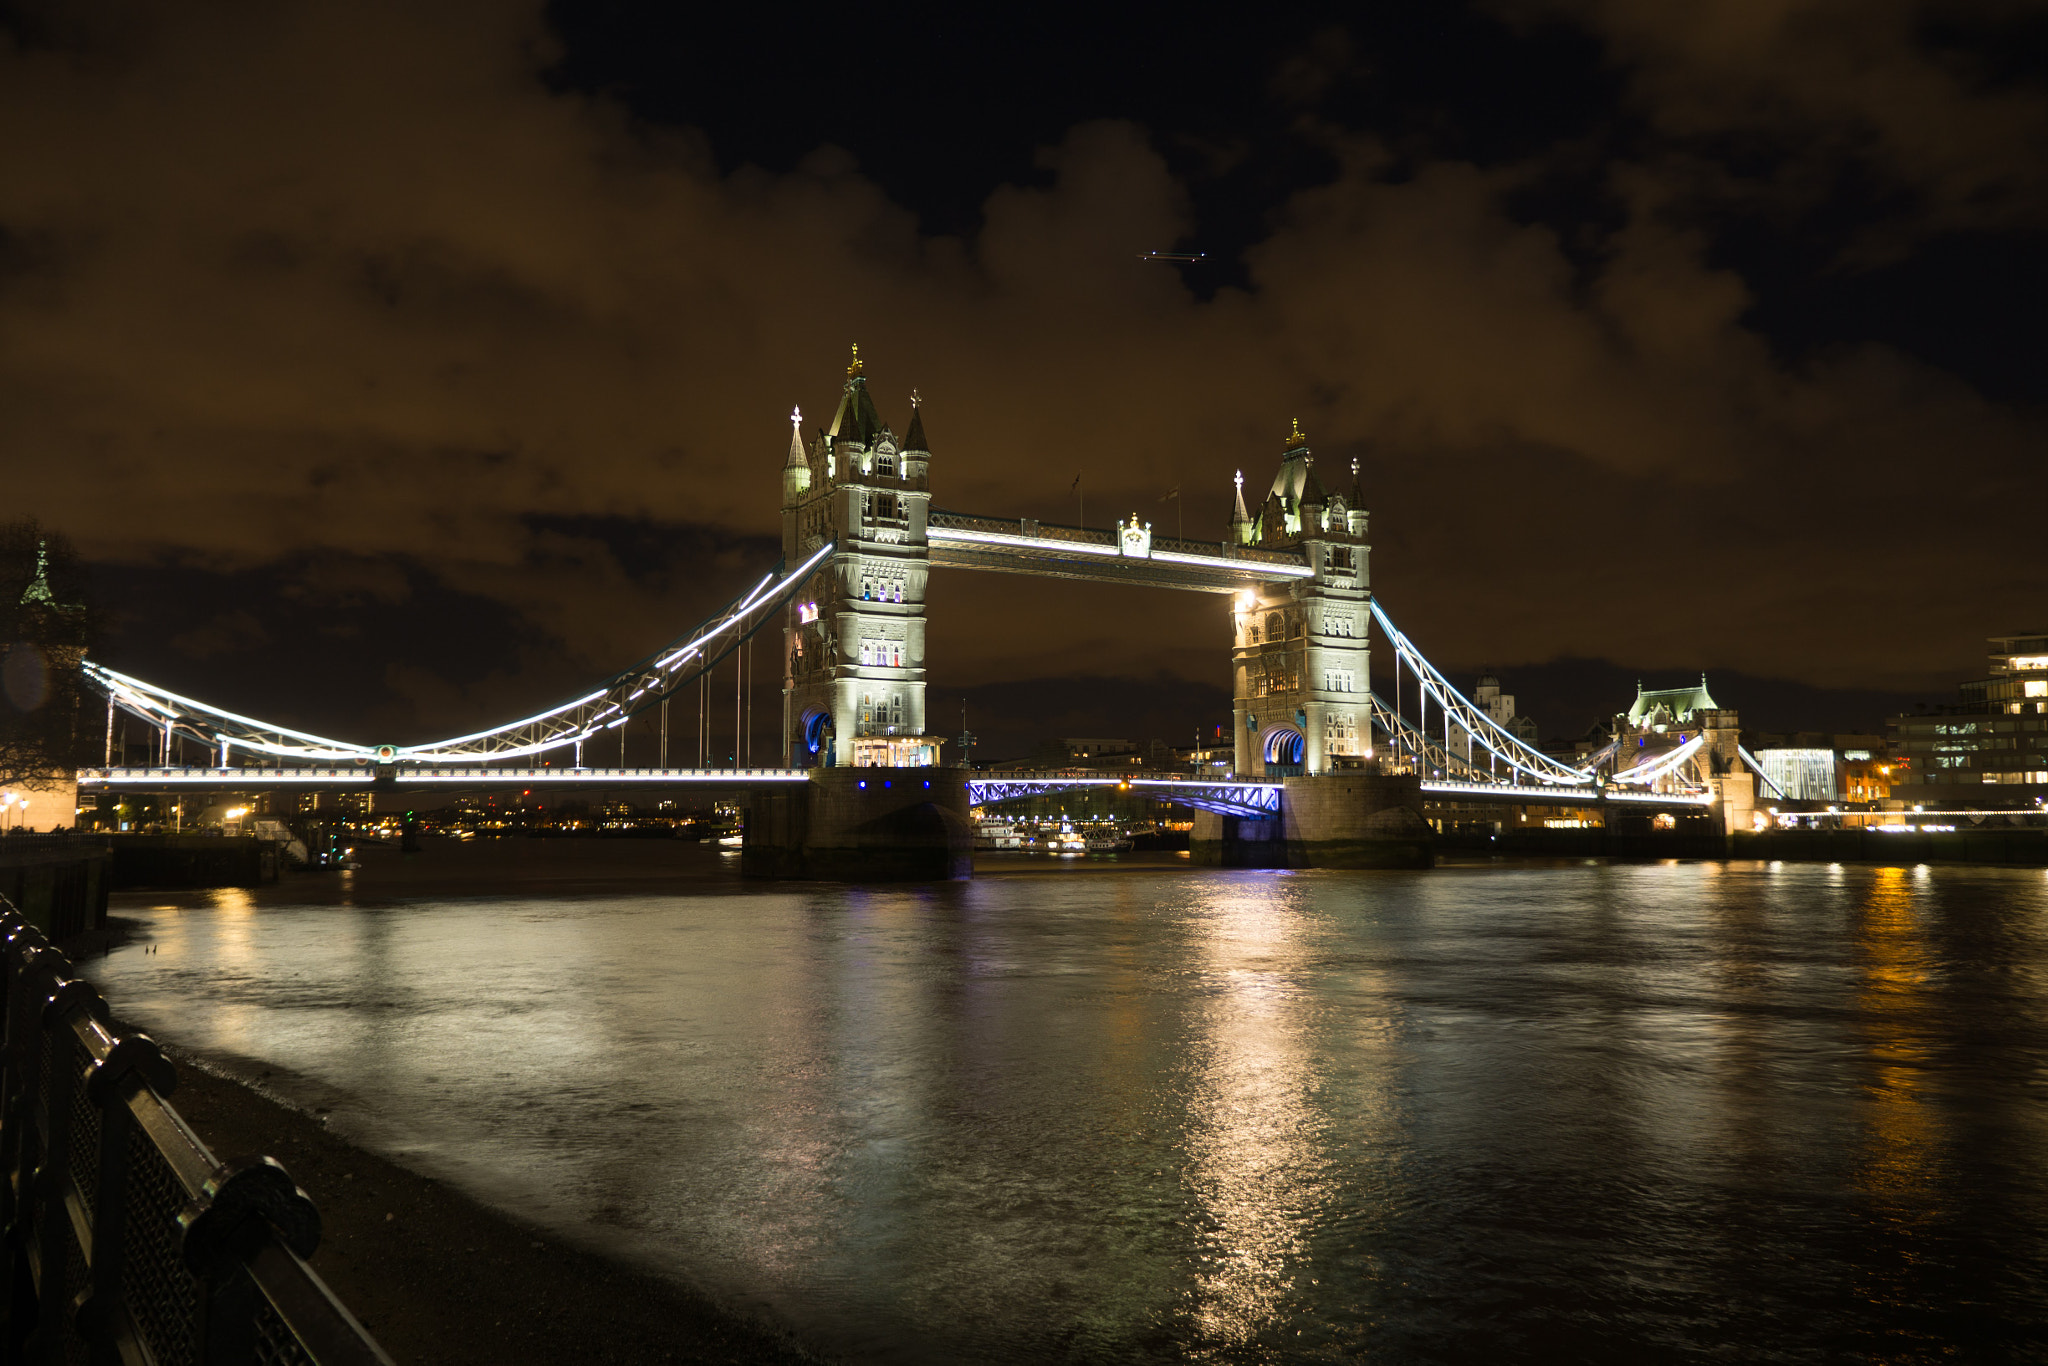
(1348, 819)
(862, 825)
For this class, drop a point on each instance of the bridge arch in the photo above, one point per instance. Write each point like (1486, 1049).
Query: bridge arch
(815, 727)
(1284, 749)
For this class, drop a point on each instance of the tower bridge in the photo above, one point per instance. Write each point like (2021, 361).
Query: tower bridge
(1321, 746)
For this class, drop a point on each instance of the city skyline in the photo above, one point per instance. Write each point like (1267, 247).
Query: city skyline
(459, 376)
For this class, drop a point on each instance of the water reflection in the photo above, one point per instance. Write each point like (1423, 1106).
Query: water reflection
(1503, 1114)
(1254, 1165)
(1901, 1154)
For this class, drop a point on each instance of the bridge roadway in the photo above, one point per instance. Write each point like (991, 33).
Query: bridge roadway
(1263, 799)
(346, 776)
(1228, 796)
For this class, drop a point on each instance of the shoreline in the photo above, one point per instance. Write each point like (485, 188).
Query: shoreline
(441, 1279)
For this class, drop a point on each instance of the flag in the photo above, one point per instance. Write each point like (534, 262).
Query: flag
(1174, 492)
(1075, 485)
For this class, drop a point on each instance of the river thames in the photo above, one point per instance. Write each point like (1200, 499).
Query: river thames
(1133, 1111)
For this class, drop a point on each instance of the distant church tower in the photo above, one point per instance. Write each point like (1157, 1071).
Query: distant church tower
(853, 689)
(1302, 661)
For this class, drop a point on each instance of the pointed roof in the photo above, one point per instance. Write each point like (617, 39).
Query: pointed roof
(856, 420)
(1295, 460)
(913, 440)
(1312, 494)
(1678, 704)
(797, 460)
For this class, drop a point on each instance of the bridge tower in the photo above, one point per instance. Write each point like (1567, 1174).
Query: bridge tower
(1302, 659)
(853, 686)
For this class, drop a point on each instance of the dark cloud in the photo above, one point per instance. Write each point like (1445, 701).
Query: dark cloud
(1921, 97)
(348, 305)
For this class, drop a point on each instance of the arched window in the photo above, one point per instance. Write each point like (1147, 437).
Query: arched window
(885, 465)
(1276, 627)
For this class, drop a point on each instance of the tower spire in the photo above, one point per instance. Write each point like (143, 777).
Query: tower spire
(1240, 520)
(914, 439)
(39, 590)
(856, 420)
(797, 459)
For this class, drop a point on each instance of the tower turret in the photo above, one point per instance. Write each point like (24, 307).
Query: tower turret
(1240, 520)
(796, 469)
(917, 451)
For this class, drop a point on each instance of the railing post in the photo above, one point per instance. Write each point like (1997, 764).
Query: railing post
(121, 1067)
(27, 962)
(240, 1206)
(50, 1184)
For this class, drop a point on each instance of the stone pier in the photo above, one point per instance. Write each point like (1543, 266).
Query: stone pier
(862, 825)
(1356, 819)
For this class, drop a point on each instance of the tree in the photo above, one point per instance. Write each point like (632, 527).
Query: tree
(47, 623)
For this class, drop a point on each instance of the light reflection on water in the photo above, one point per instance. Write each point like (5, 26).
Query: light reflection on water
(1672, 1112)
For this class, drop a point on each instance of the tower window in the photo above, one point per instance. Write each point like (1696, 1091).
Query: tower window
(885, 465)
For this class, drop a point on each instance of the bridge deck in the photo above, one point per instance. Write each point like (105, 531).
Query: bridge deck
(350, 775)
(1501, 794)
(1247, 797)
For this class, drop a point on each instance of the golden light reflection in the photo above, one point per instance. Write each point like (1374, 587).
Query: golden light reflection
(1254, 1154)
(1902, 1135)
(229, 942)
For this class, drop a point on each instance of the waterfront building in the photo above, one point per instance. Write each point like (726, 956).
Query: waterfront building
(1301, 661)
(1990, 747)
(1816, 766)
(1803, 775)
(1681, 738)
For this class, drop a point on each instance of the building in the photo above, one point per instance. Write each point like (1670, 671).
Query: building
(1815, 766)
(1802, 775)
(1681, 739)
(46, 736)
(1301, 662)
(1990, 747)
(1086, 747)
(854, 641)
(1487, 696)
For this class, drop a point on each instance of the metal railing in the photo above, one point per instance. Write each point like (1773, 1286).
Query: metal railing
(126, 1240)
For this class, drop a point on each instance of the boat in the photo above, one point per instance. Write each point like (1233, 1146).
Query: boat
(998, 835)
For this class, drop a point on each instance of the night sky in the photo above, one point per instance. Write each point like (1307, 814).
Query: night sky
(404, 367)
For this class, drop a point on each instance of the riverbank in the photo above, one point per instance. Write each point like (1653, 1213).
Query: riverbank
(441, 1280)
